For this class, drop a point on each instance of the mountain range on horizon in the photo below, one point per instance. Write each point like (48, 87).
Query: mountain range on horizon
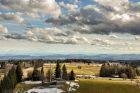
(74, 56)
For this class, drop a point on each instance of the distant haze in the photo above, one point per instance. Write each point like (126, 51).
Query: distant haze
(76, 56)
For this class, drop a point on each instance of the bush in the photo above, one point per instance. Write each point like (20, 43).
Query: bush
(72, 75)
(124, 76)
(79, 67)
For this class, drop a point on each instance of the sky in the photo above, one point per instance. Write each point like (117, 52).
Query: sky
(43, 27)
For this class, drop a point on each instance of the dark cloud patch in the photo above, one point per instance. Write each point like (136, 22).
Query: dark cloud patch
(15, 36)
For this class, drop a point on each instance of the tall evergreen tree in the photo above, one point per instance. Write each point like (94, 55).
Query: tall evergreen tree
(102, 70)
(42, 75)
(49, 75)
(64, 72)
(72, 75)
(11, 78)
(19, 73)
(58, 70)
(106, 70)
(9, 82)
(36, 74)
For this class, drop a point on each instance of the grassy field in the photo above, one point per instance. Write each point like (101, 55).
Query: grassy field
(92, 69)
(85, 68)
(21, 88)
(97, 85)
(106, 86)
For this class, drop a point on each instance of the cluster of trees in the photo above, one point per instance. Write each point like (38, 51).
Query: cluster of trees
(122, 70)
(63, 73)
(59, 73)
(14, 76)
(10, 80)
(39, 61)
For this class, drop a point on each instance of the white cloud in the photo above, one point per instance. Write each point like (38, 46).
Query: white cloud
(35, 6)
(44, 31)
(99, 41)
(54, 35)
(30, 33)
(84, 39)
(46, 35)
(3, 29)
(76, 40)
(125, 17)
(117, 5)
(137, 38)
(71, 41)
(11, 16)
(70, 7)
(113, 36)
(32, 14)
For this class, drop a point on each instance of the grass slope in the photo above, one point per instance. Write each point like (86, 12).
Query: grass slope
(105, 86)
(85, 68)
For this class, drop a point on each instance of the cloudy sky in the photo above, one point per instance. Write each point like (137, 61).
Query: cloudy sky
(40, 27)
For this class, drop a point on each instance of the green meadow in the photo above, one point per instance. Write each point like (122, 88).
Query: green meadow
(97, 85)
(106, 86)
(101, 85)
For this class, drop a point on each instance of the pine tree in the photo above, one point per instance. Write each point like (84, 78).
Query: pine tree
(12, 77)
(72, 75)
(19, 73)
(49, 75)
(9, 82)
(58, 71)
(64, 73)
(102, 70)
(42, 75)
(36, 74)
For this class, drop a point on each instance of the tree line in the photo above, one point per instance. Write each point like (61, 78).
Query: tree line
(117, 69)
